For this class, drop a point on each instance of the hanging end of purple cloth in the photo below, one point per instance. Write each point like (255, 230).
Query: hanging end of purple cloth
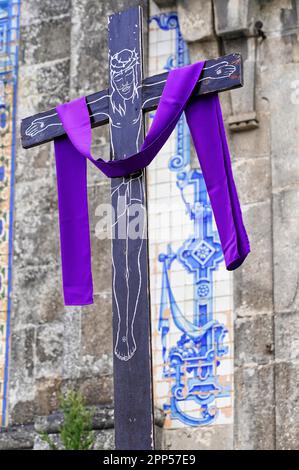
(237, 252)
(233, 262)
(77, 296)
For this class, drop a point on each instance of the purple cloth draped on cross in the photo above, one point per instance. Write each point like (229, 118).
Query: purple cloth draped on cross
(205, 122)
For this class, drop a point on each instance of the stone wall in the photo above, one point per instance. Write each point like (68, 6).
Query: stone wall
(63, 54)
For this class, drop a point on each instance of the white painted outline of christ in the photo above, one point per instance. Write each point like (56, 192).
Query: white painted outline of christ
(124, 79)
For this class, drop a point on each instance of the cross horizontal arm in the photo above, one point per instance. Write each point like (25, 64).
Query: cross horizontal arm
(223, 73)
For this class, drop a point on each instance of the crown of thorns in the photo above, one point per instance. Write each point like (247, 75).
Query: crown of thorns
(123, 60)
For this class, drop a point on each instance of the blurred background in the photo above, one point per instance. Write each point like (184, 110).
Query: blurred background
(246, 396)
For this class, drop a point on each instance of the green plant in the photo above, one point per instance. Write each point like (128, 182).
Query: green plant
(76, 431)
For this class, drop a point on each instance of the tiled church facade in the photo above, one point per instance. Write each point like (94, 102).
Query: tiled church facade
(236, 388)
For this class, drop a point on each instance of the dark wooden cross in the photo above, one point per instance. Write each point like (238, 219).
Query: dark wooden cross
(123, 107)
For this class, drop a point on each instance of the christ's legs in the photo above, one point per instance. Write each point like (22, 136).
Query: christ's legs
(130, 232)
(120, 289)
(136, 239)
(120, 276)
(134, 282)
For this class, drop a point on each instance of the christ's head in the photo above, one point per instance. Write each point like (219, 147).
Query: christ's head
(123, 70)
(123, 82)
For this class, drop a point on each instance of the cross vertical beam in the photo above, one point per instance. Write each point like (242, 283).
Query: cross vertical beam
(134, 420)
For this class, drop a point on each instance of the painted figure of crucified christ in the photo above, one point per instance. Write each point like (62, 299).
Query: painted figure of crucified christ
(127, 199)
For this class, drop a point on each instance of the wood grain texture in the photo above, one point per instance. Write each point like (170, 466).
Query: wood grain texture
(221, 74)
(133, 400)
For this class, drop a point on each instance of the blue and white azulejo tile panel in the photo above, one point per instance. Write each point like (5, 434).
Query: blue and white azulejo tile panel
(9, 37)
(191, 291)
